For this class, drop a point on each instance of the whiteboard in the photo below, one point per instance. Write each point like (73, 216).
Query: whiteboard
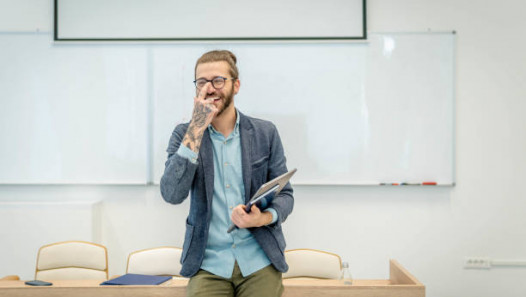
(348, 113)
(360, 114)
(71, 114)
(205, 19)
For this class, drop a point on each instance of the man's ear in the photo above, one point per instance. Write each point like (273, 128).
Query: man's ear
(237, 85)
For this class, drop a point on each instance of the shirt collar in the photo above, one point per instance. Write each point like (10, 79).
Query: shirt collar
(212, 130)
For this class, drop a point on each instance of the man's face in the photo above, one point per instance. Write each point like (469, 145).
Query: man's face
(223, 97)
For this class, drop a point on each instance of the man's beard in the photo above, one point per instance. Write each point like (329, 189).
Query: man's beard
(227, 101)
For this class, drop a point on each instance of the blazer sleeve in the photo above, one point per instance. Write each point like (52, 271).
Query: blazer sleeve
(179, 171)
(283, 203)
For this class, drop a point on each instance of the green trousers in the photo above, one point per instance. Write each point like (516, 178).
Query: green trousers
(265, 282)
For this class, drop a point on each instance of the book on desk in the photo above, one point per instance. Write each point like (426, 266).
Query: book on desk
(136, 279)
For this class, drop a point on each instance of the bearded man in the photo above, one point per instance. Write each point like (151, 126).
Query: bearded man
(222, 157)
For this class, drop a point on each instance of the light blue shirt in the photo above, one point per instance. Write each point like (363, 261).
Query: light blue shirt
(224, 249)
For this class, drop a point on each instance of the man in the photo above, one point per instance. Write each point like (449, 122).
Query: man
(222, 157)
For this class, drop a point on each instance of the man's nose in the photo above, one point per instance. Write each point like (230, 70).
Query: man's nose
(210, 89)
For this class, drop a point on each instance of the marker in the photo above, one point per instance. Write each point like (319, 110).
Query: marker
(409, 184)
(429, 184)
(389, 184)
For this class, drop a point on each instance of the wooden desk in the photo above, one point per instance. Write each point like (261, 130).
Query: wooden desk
(400, 284)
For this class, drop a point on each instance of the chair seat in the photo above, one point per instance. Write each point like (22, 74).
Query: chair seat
(309, 263)
(155, 261)
(72, 260)
(70, 273)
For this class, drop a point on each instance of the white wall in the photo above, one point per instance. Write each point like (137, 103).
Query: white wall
(428, 230)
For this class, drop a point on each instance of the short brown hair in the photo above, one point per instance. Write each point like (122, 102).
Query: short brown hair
(218, 56)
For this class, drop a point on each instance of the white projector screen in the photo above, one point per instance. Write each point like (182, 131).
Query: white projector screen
(209, 20)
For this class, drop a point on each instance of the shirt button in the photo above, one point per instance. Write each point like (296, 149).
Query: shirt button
(224, 142)
(233, 246)
(228, 186)
(226, 163)
(231, 207)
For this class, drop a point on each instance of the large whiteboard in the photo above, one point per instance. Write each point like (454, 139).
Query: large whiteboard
(348, 113)
(206, 19)
(361, 113)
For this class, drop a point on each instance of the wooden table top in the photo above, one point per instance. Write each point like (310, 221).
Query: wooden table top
(177, 287)
(400, 284)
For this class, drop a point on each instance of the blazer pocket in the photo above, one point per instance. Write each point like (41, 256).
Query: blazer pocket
(187, 240)
(260, 162)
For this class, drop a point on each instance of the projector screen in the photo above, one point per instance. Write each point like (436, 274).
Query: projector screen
(209, 20)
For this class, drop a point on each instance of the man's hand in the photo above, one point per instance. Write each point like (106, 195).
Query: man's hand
(204, 113)
(255, 218)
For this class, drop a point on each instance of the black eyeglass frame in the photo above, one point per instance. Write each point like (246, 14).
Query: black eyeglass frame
(212, 81)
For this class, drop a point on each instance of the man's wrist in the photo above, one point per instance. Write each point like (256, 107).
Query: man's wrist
(187, 153)
(266, 218)
(197, 127)
(193, 137)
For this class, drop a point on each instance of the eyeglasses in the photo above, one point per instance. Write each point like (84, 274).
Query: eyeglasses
(218, 82)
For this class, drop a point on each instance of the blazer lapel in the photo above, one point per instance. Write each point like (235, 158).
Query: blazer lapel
(206, 155)
(247, 134)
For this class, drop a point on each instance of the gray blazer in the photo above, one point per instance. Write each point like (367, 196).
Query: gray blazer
(262, 160)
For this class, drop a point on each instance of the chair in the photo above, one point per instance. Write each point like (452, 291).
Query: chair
(72, 260)
(312, 264)
(155, 261)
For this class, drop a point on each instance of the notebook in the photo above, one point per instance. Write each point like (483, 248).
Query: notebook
(136, 279)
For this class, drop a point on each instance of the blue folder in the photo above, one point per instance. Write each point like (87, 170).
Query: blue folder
(136, 279)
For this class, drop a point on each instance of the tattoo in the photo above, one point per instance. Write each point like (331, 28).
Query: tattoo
(194, 134)
(200, 115)
(193, 137)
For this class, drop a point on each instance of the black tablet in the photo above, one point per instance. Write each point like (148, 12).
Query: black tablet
(38, 283)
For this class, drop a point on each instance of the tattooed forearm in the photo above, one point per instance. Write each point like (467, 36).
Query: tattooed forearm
(193, 137)
(200, 115)
(201, 118)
